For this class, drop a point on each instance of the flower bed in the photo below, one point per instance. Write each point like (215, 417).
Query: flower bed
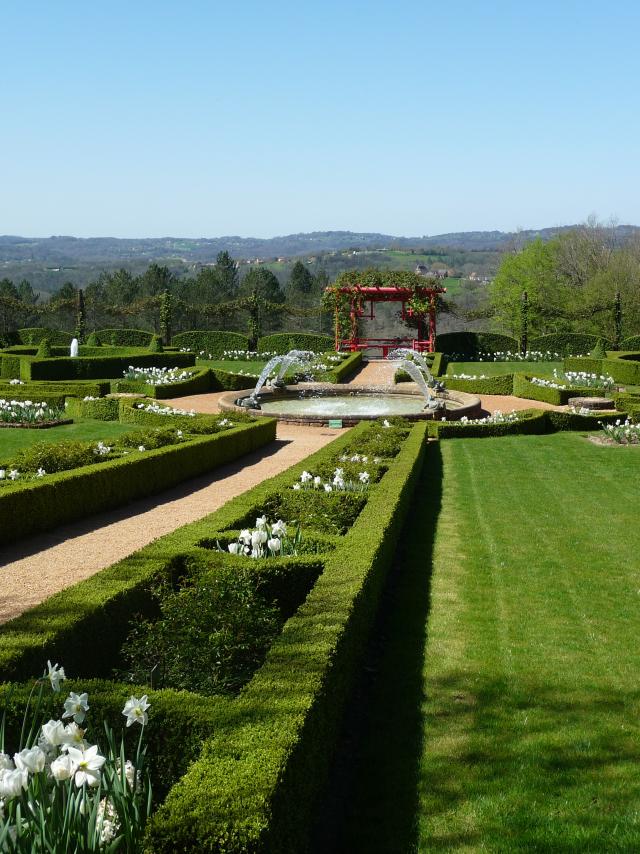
(27, 413)
(266, 751)
(548, 391)
(28, 507)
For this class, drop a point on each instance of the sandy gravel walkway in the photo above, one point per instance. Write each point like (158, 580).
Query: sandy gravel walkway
(34, 569)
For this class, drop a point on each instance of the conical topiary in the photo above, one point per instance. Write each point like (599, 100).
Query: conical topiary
(93, 340)
(156, 345)
(598, 351)
(44, 350)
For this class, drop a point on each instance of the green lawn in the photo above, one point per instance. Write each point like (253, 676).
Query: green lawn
(233, 366)
(505, 712)
(14, 439)
(492, 369)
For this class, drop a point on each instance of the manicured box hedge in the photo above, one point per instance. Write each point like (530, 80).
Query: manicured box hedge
(199, 383)
(632, 343)
(439, 364)
(339, 373)
(210, 341)
(500, 384)
(125, 337)
(35, 334)
(523, 387)
(624, 367)
(92, 367)
(103, 409)
(471, 344)
(532, 421)
(282, 342)
(567, 343)
(30, 507)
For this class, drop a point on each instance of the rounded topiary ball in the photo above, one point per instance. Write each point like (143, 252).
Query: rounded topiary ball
(44, 350)
(156, 345)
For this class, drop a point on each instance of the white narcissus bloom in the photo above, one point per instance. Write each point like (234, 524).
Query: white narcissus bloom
(6, 764)
(74, 736)
(135, 710)
(14, 474)
(233, 548)
(305, 477)
(53, 733)
(63, 768)
(76, 707)
(3, 474)
(296, 486)
(31, 759)
(364, 477)
(258, 538)
(56, 675)
(12, 783)
(88, 764)
(141, 448)
(40, 473)
(328, 487)
(317, 481)
(274, 544)
(245, 536)
(279, 529)
(261, 522)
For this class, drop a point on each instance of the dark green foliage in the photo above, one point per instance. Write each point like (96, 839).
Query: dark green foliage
(35, 334)
(439, 364)
(214, 343)
(93, 340)
(598, 351)
(210, 637)
(155, 345)
(566, 343)
(104, 409)
(44, 350)
(472, 344)
(43, 504)
(155, 437)
(282, 342)
(632, 343)
(328, 513)
(533, 421)
(126, 337)
(55, 456)
(339, 373)
(378, 441)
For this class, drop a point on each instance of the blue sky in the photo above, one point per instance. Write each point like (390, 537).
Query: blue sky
(204, 119)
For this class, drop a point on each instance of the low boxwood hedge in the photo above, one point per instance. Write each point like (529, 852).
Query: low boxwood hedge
(102, 409)
(33, 506)
(567, 343)
(624, 367)
(632, 343)
(211, 342)
(94, 367)
(523, 387)
(439, 364)
(198, 383)
(500, 384)
(120, 337)
(531, 421)
(471, 344)
(282, 342)
(339, 373)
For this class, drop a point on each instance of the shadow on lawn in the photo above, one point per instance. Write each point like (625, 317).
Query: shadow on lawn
(371, 800)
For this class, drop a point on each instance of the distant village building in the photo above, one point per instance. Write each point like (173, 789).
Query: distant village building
(422, 270)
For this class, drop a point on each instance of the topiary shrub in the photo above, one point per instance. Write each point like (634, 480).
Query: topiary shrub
(55, 456)
(156, 345)
(282, 342)
(472, 344)
(44, 350)
(93, 340)
(567, 343)
(598, 351)
(211, 342)
(35, 334)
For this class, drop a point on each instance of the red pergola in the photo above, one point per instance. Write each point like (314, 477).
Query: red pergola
(359, 295)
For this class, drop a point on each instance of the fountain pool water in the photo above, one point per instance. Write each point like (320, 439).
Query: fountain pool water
(355, 406)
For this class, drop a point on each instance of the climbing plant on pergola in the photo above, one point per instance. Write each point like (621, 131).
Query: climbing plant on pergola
(355, 293)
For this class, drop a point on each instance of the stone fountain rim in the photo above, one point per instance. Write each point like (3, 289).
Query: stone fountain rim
(471, 407)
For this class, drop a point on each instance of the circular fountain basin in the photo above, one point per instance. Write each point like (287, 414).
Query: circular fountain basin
(319, 403)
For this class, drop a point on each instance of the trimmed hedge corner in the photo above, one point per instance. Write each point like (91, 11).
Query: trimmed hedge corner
(523, 387)
(125, 337)
(500, 384)
(624, 367)
(35, 334)
(471, 344)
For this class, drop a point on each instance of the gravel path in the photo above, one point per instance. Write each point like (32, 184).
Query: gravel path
(35, 568)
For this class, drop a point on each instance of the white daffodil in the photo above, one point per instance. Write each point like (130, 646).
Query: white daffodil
(13, 782)
(63, 768)
(31, 759)
(364, 477)
(305, 477)
(53, 733)
(245, 536)
(274, 544)
(56, 675)
(6, 763)
(328, 487)
(233, 548)
(296, 486)
(279, 529)
(141, 448)
(135, 710)
(88, 764)
(73, 736)
(76, 707)
(261, 522)
(258, 538)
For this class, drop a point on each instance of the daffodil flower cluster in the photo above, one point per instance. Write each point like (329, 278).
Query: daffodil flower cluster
(15, 382)
(469, 376)
(583, 379)
(39, 782)
(309, 481)
(622, 432)
(156, 409)
(265, 540)
(245, 356)
(28, 412)
(157, 376)
(496, 417)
